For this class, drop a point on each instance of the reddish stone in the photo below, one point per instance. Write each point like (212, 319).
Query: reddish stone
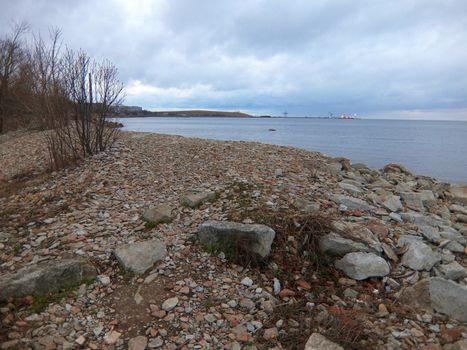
(286, 293)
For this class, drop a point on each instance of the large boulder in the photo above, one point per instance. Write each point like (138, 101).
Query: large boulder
(420, 256)
(46, 278)
(360, 266)
(141, 256)
(224, 233)
(439, 294)
(194, 198)
(158, 214)
(320, 342)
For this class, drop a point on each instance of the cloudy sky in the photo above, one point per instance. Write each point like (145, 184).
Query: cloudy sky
(374, 58)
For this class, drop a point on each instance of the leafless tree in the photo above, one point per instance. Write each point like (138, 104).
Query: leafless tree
(11, 60)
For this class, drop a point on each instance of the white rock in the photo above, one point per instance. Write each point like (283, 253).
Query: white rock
(247, 281)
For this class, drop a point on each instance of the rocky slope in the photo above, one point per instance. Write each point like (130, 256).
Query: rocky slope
(393, 251)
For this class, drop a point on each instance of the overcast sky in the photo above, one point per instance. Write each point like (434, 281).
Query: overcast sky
(398, 58)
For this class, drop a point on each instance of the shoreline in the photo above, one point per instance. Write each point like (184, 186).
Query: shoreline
(90, 210)
(452, 183)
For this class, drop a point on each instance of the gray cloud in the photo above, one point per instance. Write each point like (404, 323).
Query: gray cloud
(373, 58)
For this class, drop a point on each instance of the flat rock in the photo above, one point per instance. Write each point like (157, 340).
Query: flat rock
(195, 198)
(352, 203)
(430, 233)
(336, 245)
(349, 187)
(158, 214)
(46, 277)
(453, 271)
(413, 200)
(141, 256)
(257, 237)
(306, 205)
(439, 294)
(360, 266)
(320, 342)
(420, 256)
(423, 220)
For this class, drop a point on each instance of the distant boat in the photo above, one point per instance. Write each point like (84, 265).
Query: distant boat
(346, 117)
(272, 129)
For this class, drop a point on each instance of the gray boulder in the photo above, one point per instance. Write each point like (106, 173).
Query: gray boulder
(319, 342)
(336, 245)
(141, 256)
(224, 233)
(412, 200)
(420, 256)
(360, 266)
(195, 198)
(352, 203)
(431, 234)
(439, 294)
(46, 277)
(158, 214)
(392, 203)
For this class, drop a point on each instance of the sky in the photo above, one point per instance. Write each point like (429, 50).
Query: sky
(377, 59)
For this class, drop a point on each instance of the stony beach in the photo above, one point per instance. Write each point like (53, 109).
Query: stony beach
(119, 251)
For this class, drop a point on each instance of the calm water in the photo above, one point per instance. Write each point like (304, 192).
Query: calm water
(432, 148)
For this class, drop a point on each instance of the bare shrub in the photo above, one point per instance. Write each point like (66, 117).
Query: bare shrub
(74, 96)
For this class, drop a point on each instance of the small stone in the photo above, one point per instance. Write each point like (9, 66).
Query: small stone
(319, 342)
(138, 343)
(210, 318)
(80, 340)
(247, 282)
(271, 333)
(382, 310)
(170, 304)
(276, 286)
(104, 280)
(156, 343)
(111, 337)
(247, 303)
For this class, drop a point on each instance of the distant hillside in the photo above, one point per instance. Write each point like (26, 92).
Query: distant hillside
(185, 113)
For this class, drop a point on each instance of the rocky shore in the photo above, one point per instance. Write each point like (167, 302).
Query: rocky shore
(131, 249)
